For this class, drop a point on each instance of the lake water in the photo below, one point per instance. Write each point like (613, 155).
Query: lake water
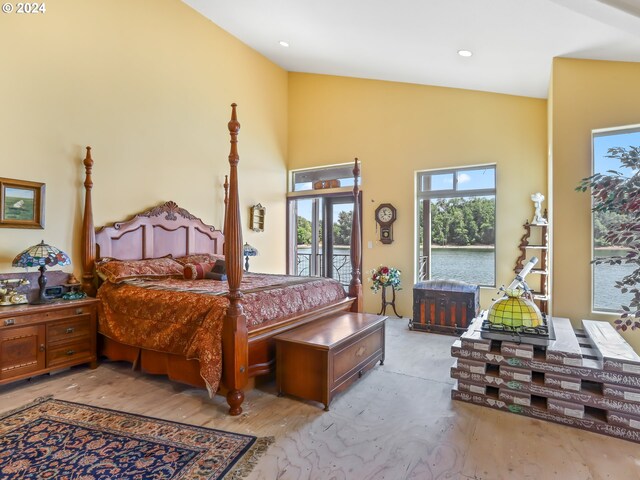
(607, 297)
(472, 265)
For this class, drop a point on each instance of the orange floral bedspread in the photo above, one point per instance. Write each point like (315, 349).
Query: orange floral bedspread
(184, 317)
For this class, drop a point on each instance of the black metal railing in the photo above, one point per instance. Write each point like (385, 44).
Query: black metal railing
(341, 266)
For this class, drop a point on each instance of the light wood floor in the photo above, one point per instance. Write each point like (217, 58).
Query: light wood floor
(396, 423)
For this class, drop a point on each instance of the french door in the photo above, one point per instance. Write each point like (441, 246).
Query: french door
(319, 236)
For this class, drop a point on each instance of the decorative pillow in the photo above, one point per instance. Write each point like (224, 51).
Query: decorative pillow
(117, 271)
(220, 267)
(199, 258)
(215, 276)
(197, 271)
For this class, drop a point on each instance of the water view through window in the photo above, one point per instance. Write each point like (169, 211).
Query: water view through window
(456, 225)
(605, 296)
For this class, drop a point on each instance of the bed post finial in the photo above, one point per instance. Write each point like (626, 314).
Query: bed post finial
(88, 232)
(355, 286)
(235, 363)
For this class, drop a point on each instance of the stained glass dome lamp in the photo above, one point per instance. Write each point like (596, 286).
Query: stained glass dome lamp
(41, 256)
(515, 317)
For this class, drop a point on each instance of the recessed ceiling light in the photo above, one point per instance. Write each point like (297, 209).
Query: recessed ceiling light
(465, 53)
(283, 43)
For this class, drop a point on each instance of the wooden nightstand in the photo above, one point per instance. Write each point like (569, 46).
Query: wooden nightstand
(36, 339)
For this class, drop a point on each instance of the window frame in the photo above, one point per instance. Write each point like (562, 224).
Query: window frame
(595, 133)
(454, 192)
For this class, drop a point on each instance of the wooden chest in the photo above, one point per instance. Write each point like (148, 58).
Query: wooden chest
(322, 358)
(444, 306)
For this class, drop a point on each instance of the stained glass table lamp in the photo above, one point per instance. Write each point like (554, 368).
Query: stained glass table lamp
(249, 251)
(41, 256)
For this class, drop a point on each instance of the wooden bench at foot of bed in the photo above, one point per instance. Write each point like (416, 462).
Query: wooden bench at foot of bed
(318, 360)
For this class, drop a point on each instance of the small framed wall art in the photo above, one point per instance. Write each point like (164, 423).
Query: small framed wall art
(21, 203)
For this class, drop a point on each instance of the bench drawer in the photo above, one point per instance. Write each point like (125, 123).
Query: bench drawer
(357, 354)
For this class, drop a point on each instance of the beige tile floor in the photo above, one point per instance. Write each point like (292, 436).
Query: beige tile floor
(395, 423)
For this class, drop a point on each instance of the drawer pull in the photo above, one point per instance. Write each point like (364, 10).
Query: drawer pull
(70, 352)
(79, 311)
(42, 347)
(360, 351)
(9, 321)
(70, 330)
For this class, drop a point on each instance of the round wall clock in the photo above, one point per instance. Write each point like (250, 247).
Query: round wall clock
(385, 216)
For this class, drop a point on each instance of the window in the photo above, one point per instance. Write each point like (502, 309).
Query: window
(322, 178)
(607, 298)
(456, 224)
(320, 210)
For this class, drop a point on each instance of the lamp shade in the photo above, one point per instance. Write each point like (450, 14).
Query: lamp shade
(41, 255)
(249, 251)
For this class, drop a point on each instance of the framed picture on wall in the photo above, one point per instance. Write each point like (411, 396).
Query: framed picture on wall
(21, 203)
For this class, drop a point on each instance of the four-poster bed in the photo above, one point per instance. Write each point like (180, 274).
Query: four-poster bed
(247, 345)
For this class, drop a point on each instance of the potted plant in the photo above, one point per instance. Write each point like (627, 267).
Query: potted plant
(618, 192)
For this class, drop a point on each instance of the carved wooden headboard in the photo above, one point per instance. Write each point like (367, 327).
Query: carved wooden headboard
(163, 230)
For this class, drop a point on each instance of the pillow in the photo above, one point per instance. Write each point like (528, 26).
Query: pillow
(220, 267)
(215, 276)
(117, 271)
(197, 271)
(199, 258)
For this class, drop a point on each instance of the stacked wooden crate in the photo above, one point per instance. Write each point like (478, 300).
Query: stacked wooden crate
(587, 379)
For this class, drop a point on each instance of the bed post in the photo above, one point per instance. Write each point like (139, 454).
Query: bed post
(226, 205)
(235, 349)
(88, 232)
(355, 286)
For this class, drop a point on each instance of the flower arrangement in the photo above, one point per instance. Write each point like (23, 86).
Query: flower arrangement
(384, 276)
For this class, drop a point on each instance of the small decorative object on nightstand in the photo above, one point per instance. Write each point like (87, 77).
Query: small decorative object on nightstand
(74, 292)
(249, 251)
(41, 255)
(9, 294)
(257, 218)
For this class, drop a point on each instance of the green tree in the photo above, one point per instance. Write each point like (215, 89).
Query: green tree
(342, 228)
(304, 231)
(618, 193)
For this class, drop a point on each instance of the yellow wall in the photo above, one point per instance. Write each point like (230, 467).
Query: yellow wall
(148, 85)
(586, 95)
(397, 129)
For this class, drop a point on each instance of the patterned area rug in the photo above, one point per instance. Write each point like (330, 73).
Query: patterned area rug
(55, 439)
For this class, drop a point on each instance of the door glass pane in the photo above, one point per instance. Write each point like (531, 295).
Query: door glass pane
(304, 236)
(341, 238)
(463, 239)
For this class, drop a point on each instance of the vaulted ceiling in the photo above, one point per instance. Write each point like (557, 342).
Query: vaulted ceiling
(513, 41)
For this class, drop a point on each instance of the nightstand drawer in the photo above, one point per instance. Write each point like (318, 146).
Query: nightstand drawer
(47, 315)
(70, 353)
(69, 330)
